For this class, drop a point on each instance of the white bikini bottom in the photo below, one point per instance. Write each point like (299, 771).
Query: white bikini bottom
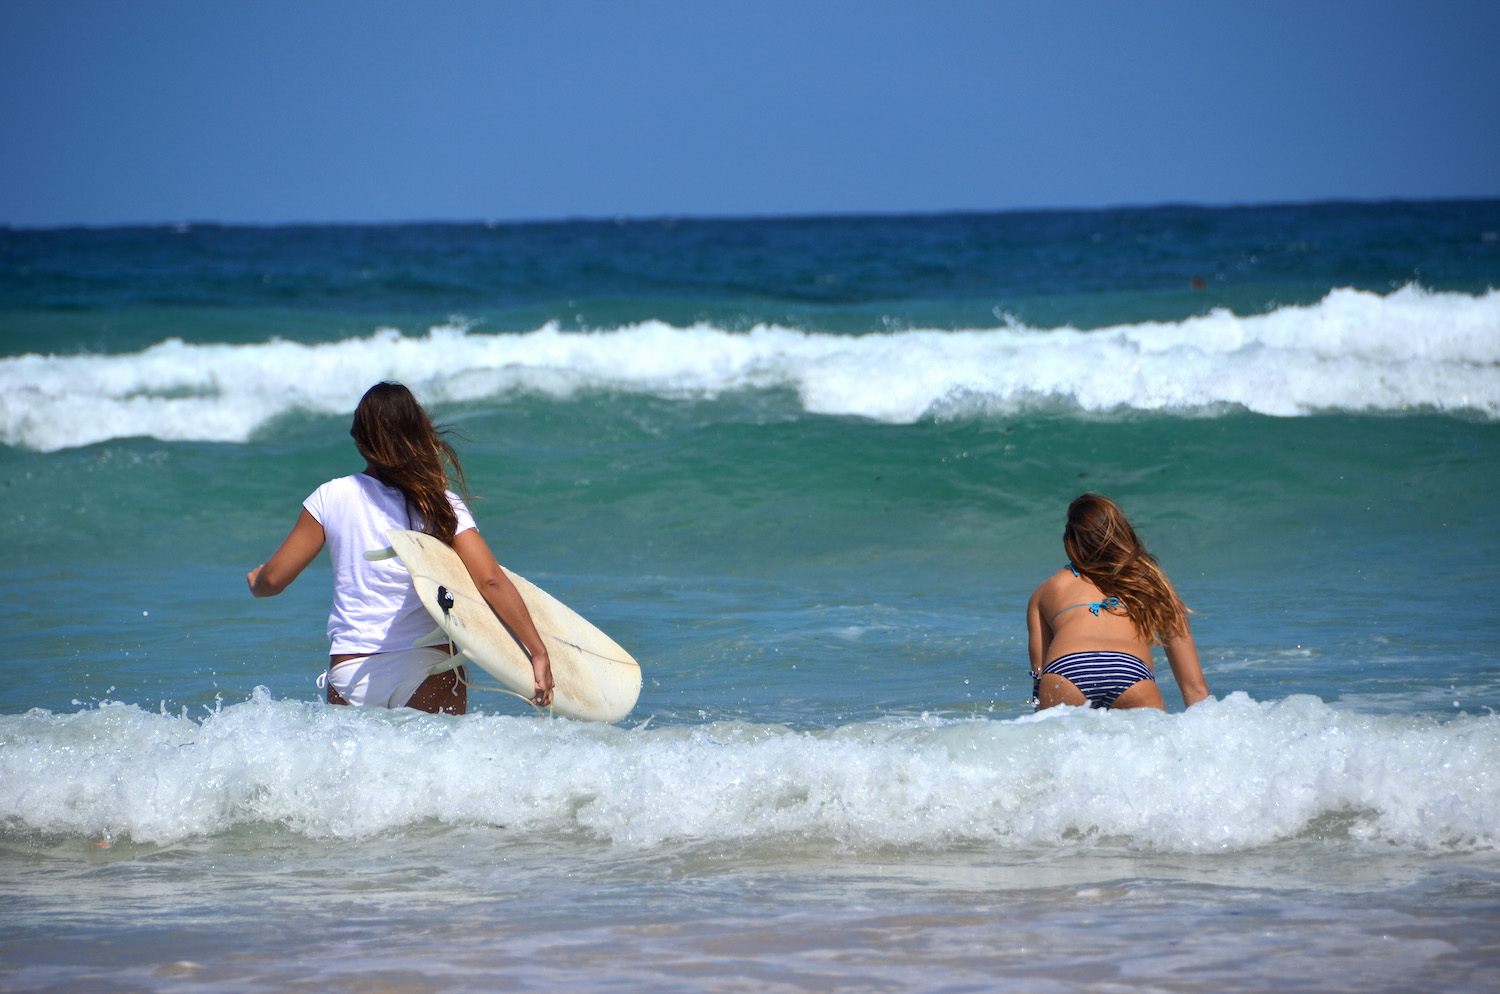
(386, 679)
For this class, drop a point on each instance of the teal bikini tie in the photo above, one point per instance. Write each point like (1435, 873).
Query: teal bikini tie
(1108, 604)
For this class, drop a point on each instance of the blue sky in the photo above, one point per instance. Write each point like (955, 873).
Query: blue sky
(119, 111)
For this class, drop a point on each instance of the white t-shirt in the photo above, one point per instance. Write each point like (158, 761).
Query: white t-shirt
(375, 607)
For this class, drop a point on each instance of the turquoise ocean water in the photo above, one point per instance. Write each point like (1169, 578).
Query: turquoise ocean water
(807, 471)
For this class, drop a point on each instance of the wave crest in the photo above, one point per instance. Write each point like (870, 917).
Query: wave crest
(1352, 351)
(1227, 775)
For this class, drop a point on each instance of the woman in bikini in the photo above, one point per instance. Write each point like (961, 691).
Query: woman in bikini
(376, 616)
(1091, 625)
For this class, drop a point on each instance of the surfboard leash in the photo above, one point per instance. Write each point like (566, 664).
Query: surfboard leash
(503, 690)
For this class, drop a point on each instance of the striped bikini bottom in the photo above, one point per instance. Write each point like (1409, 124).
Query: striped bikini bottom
(1102, 676)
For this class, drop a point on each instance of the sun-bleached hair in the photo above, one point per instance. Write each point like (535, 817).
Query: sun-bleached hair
(397, 438)
(1105, 549)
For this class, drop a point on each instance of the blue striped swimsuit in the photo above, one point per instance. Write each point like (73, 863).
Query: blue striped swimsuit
(1101, 676)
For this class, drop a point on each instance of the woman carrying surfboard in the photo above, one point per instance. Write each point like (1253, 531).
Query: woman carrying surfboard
(377, 615)
(1091, 625)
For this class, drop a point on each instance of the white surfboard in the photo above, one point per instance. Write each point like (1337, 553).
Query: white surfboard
(594, 678)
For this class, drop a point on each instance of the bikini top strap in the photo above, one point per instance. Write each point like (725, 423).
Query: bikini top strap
(1108, 604)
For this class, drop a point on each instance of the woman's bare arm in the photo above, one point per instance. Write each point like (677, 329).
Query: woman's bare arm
(1038, 633)
(299, 549)
(1182, 654)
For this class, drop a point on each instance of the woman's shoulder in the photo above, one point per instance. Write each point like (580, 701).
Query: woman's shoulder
(342, 484)
(463, 512)
(1052, 583)
(1063, 575)
(343, 489)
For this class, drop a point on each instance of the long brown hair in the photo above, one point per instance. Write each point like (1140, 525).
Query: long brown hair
(1105, 549)
(397, 438)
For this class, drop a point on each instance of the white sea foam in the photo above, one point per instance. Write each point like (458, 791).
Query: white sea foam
(1352, 351)
(1227, 775)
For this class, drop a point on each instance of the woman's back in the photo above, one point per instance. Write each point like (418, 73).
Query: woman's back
(1081, 619)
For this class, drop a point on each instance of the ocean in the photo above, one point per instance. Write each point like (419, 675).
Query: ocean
(807, 471)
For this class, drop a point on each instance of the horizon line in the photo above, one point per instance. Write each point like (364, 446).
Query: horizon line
(678, 218)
